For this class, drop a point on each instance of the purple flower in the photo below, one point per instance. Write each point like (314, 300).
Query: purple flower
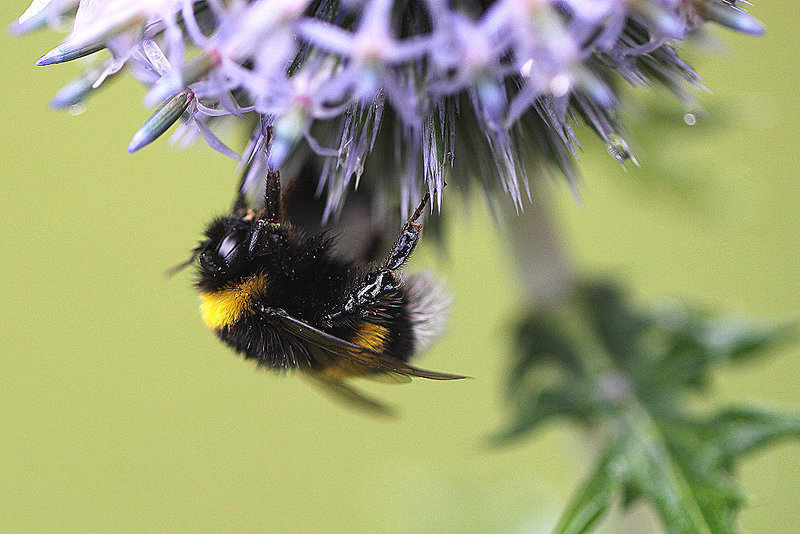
(401, 91)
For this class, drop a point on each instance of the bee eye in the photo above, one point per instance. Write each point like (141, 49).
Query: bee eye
(228, 245)
(207, 261)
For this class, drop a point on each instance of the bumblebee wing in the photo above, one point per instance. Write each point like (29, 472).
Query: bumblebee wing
(351, 397)
(352, 357)
(388, 378)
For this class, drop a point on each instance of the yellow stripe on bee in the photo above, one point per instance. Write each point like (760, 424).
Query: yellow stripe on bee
(368, 335)
(372, 336)
(224, 307)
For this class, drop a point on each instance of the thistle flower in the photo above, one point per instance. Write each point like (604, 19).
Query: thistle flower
(402, 91)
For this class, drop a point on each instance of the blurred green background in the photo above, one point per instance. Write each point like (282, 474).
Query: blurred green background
(119, 411)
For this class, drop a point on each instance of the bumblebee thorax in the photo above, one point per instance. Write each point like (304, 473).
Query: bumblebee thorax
(227, 305)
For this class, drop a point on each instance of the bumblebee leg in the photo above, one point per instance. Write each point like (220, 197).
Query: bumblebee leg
(259, 141)
(408, 238)
(272, 198)
(382, 280)
(269, 220)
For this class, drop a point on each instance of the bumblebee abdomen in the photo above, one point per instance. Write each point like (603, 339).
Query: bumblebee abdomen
(371, 335)
(391, 335)
(387, 338)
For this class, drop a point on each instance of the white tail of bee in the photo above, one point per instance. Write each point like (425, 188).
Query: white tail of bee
(428, 304)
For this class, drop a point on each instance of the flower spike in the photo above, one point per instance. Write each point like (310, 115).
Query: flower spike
(160, 121)
(41, 13)
(729, 15)
(67, 52)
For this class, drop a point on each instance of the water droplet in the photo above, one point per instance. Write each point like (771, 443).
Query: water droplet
(690, 119)
(618, 148)
(76, 109)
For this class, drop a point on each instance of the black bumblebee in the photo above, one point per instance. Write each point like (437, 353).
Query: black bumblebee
(281, 297)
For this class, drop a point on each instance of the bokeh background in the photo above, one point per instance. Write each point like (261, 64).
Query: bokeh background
(119, 411)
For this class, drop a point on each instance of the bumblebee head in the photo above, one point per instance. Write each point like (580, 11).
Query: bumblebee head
(236, 246)
(225, 254)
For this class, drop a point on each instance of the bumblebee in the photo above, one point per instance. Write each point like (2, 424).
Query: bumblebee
(281, 297)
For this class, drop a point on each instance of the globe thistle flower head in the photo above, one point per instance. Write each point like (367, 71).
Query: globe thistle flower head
(405, 92)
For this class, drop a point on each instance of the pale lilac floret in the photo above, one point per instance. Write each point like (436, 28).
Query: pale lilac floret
(443, 90)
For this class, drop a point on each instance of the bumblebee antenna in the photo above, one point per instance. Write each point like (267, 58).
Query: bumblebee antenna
(175, 269)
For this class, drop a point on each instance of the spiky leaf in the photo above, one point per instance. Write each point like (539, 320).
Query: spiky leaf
(625, 373)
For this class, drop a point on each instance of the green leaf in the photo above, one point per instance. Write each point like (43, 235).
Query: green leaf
(540, 343)
(736, 338)
(648, 469)
(735, 432)
(590, 503)
(616, 326)
(546, 405)
(626, 373)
